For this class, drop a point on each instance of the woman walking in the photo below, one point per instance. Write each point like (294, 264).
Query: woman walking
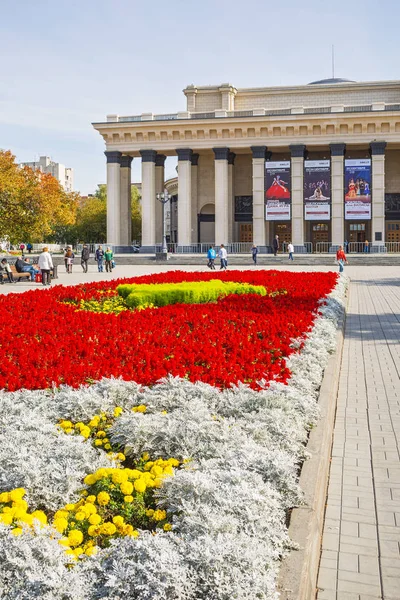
(108, 255)
(45, 265)
(69, 259)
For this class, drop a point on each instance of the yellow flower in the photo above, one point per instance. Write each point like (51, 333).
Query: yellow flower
(61, 514)
(60, 524)
(69, 507)
(75, 537)
(16, 531)
(78, 551)
(107, 446)
(167, 527)
(66, 424)
(108, 528)
(5, 497)
(159, 515)
(121, 456)
(118, 520)
(140, 486)
(91, 498)
(101, 434)
(127, 487)
(103, 498)
(98, 442)
(156, 471)
(93, 530)
(95, 519)
(17, 494)
(119, 476)
(85, 432)
(117, 411)
(6, 518)
(22, 504)
(91, 551)
(135, 533)
(128, 499)
(80, 516)
(40, 516)
(64, 542)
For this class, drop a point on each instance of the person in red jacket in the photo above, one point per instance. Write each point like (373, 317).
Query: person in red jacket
(341, 259)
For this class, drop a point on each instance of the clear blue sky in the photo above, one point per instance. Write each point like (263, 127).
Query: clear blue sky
(66, 64)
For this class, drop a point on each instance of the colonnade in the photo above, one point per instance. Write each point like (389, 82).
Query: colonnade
(119, 195)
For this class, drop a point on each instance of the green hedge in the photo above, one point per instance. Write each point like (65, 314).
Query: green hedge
(162, 294)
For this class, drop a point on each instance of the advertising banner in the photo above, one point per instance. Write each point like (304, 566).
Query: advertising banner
(278, 187)
(317, 190)
(357, 189)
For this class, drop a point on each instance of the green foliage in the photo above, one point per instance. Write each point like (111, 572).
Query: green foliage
(199, 292)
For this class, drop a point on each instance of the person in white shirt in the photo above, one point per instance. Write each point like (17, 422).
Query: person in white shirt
(290, 250)
(45, 264)
(223, 255)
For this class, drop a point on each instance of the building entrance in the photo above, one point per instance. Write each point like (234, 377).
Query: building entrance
(284, 231)
(246, 232)
(392, 231)
(320, 236)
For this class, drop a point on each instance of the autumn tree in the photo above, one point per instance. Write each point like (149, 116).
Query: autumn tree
(32, 203)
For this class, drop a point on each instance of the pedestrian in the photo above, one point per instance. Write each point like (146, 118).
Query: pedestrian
(22, 248)
(108, 255)
(69, 259)
(45, 265)
(290, 250)
(5, 268)
(275, 244)
(341, 259)
(23, 266)
(366, 246)
(211, 255)
(100, 258)
(29, 247)
(254, 252)
(85, 255)
(346, 246)
(223, 255)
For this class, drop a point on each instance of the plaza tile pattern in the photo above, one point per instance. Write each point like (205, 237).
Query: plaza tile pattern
(360, 557)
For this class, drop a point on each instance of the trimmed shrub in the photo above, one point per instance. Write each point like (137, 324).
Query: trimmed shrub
(195, 292)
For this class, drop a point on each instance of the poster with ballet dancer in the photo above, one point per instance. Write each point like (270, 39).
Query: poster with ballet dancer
(278, 190)
(357, 189)
(317, 190)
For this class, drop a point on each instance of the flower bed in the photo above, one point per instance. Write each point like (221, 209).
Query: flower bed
(207, 521)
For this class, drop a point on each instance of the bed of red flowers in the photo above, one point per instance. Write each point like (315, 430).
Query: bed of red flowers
(45, 341)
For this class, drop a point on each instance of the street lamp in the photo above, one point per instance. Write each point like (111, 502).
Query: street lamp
(163, 197)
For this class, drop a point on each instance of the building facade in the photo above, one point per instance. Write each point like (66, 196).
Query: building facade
(313, 164)
(63, 174)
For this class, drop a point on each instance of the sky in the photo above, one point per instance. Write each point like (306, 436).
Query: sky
(66, 64)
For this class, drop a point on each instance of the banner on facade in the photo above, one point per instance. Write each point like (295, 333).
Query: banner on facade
(278, 187)
(317, 190)
(357, 189)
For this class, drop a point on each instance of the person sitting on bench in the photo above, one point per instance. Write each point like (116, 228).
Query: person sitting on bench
(5, 268)
(23, 266)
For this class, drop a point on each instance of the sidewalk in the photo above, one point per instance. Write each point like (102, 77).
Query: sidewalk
(361, 543)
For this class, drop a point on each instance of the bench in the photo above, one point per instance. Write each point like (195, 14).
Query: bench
(18, 276)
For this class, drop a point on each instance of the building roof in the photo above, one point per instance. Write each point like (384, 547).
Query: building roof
(331, 81)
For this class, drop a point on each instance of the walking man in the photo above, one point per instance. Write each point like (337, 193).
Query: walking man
(254, 252)
(223, 255)
(290, 250)
(85, 258)
(100, 258)
(275, 245)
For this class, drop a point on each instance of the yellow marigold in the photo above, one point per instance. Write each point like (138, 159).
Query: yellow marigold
(101, 434)
(79, 425)
(61, 514)
(128, 499)
(89, 509)
(134, 473)
(26, 518)
(69, 431)
(167, 527)
(64, 542)
(6, 518)
(5, 497)
(103, 498)
(148, 465)
(108, 528)
(140, 486)
(169, 470)
(90, 479)
(121, 456)
(118, 520)
(127, 487)
(164, 412)
(40, 516)
(22, 504)
(135, 533)
(145, 456)
(149, 512)
(100, 474)
(117, 411)
(66, 424)
(91, 498)
(93, 530)
(17, 494)
(85, 432)
(98, 442)
(91, 551)
(94, 421)
(75, 537)
(156, 470)
(159, 515)
(119, 476)
(173, 462)
(107, 446)
(80, 515)
(16, 531)
(69, 507)
(78, 551)
(95, 519)
(60, 524)
(157, 482)
(127, 530)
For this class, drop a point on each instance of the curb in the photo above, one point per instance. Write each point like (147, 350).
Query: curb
(298, 573)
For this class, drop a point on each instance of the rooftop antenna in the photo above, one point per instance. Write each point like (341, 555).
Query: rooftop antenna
(333, 61)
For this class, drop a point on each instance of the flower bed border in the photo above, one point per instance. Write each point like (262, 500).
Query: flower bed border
(299, 570)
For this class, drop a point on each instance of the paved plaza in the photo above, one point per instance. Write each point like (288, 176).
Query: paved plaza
(360, 557)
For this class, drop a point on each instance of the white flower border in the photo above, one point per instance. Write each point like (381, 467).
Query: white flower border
(229, 504)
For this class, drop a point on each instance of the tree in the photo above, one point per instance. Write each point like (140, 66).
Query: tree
(32, 203)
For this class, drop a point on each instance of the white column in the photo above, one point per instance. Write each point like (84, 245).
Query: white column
(297, 194)
(194, 199)
(184, 196)
(378, 192)
(337, 207)
(259, 195)
(125, 203)
(113, 197)
(148, 197)
(231, 196)
(160, 180)
(221, 196)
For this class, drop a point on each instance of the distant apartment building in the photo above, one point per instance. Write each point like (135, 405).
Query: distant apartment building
(65, 175)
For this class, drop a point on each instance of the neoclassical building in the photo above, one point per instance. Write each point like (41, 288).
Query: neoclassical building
(317, 163)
